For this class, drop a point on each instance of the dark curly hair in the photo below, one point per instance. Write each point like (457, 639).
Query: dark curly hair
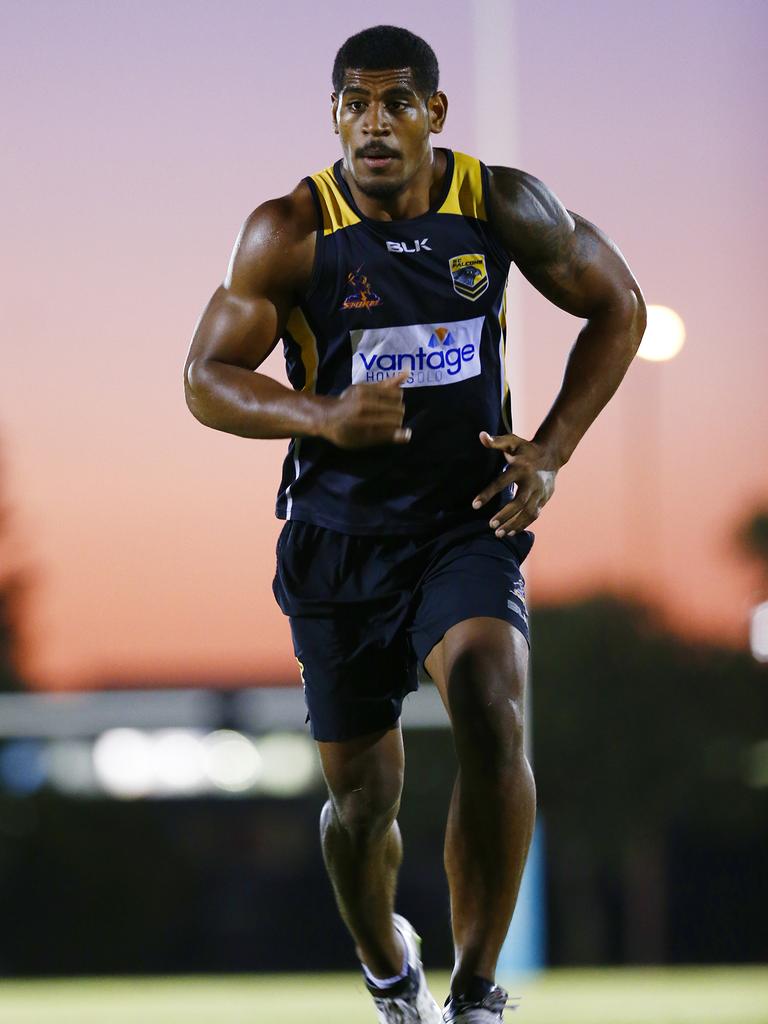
(386, 46)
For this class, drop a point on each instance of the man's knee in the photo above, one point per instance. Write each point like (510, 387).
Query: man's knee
(486, 703)
(363, 814)
(364, 792)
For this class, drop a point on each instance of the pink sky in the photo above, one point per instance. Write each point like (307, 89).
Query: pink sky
(139, 137)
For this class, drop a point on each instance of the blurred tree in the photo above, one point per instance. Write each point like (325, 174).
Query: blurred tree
(635, 732)
(13, 585)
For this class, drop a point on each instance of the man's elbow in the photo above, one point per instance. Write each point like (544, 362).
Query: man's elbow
(628, 312)
(195, 391)
(638, 316)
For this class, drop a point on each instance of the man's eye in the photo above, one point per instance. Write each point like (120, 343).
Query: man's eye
(355, 105)
(398, 104)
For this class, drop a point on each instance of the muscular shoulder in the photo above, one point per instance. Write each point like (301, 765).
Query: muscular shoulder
(276, 243)
(527, 216)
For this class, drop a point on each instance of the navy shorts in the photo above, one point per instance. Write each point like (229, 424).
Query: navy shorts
(366, 611)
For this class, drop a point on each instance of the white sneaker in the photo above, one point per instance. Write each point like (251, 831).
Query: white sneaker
(487, 1011)
(410, 1001)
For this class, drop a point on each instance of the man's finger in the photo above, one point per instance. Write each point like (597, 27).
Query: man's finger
(520, 522)
(380, 409)
(506, 479)
(383, 416)
(521, 517)
(510, 510)
(394, 381)
(504, 442)
(385, 396)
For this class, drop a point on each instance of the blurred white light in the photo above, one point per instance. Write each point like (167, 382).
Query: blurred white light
(178, 762)
(70, 767)
(664, 336)
(289, 764)
(758, 632)
(231, 761)
(122, 759)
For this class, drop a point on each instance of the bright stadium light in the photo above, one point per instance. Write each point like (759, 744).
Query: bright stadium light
(122, 761)
(289, 764)
(232, 762)
(664, 335)
(178, 759)
(758, 632)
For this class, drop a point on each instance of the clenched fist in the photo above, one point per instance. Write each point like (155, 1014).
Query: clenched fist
(367, 414)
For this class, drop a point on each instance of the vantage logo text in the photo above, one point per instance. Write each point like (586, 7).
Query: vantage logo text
(435, 354)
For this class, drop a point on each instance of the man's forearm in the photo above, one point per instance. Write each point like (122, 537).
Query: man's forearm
(596, 366)
(239, 401)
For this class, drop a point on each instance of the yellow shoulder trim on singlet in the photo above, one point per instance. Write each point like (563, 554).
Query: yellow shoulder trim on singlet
(337, 213)
(505, 398)
(465, 196)
(303, 335)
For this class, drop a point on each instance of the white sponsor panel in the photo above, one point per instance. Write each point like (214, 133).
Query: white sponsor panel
(434, 354)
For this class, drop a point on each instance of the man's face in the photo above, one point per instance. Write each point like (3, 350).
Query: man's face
(384, 125)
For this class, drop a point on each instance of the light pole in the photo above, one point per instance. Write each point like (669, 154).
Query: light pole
(496, 140)
(642, 402)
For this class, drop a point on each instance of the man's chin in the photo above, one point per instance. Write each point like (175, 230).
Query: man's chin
(379, 188)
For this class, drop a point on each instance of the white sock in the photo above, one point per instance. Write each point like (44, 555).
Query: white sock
(388, 982)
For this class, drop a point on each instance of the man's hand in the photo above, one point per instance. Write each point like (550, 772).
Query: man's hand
(532, 468)
(367, 414)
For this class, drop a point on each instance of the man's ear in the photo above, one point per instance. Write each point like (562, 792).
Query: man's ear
(437, 105)
(334, 111)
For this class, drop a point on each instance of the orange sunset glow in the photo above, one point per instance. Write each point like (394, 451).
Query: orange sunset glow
(138, 139)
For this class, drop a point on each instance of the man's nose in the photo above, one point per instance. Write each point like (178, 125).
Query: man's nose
(376, 123)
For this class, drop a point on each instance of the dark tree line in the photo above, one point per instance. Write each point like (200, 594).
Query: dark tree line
(752, 539)
(639, 737)
(12, 590)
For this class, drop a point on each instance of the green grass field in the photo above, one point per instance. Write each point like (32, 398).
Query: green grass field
(688, 996)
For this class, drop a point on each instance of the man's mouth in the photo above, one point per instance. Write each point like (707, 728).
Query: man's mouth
(377, 158)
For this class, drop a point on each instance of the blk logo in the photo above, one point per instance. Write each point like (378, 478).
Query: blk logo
(419, 245)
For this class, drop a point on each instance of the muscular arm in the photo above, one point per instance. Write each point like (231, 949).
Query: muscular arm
(245, 318)
(243, 322)
(575, 266)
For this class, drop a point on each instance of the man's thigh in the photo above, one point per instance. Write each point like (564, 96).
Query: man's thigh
(473, 599)
(354, 678)
(347, 600)
(488, 655)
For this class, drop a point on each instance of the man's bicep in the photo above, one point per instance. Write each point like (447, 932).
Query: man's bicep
(245, 317)
(565, 257)
(240, 330)
(581, 270)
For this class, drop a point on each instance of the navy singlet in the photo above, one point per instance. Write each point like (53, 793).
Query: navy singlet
(426, 294)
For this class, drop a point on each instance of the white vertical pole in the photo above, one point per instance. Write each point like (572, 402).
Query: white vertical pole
(497, 142)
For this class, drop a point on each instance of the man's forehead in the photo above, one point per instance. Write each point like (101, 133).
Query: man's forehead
(365, 80)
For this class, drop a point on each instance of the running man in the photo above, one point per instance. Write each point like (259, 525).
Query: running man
(405, 492)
